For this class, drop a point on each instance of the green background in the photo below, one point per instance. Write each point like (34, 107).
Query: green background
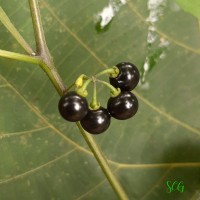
(44, 157)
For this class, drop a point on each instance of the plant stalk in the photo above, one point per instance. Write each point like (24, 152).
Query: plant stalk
(113, 91)
(112, 72)
(42, 49)
(94, 103)
(20, 57)
(15, 33)
(103, 163)
(41, 46)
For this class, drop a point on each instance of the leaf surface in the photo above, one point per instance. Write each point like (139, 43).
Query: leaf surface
(44, 157)
(192, 7)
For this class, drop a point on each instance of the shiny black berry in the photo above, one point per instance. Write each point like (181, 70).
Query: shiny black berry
(123, 106)
(73, 107)
(96, 121)
(128, 77)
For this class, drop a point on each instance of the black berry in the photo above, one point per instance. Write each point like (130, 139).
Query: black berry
(96, 121)
(73, 107)
(128, 77)
(123, 106)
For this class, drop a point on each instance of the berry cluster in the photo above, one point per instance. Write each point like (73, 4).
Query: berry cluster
(122, 104)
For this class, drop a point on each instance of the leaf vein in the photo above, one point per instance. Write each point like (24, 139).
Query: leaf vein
(95, 187)
(159, 165)
(132, 7)
(186, 126)
(73, 34)
(38, 113)
(36, 168)
(4, 85)
(168, 116)
(4, 135)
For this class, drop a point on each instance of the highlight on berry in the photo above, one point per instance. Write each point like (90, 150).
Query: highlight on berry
(73, 106)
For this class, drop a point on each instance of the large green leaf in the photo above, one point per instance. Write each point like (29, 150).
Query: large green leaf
(192, 6)
(44, 157)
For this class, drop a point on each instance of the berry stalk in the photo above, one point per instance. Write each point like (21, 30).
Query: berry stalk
(82, 91)
(113, 91)
(112, 72)
(94, 104)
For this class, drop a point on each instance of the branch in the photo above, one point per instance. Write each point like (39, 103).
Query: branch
(42, 49)
(41, 45)
(43, 52)
(19, 57)
(11, 28)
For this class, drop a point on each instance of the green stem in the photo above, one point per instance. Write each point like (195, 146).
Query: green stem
(54, 77)
(41, 45)
(87, 82)
(114, 91)
(51, 73)
(113, 72)
(89, 140)
(42, 49)
(103, 163)
(94, 104)
(11, 28)
(20, 57)
(80, 79)
(45, 61)
(82, 90)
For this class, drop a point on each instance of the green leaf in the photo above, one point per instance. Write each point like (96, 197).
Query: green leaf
(44, 157)
(192, 6)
